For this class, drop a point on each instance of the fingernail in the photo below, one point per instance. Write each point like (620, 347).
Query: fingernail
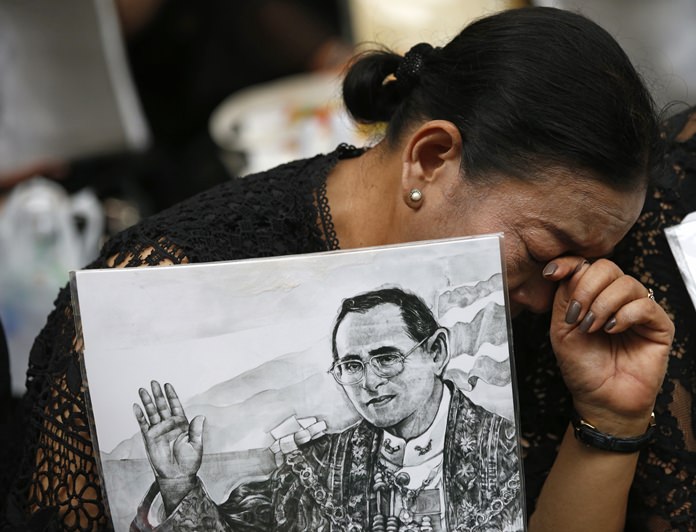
(573, 312)
(610, 324)
(587, 322)
(550, 269)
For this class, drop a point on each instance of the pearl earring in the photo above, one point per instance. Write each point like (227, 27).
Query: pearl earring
(415, 195)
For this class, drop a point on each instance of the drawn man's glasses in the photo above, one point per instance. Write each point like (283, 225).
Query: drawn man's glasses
(386, 365)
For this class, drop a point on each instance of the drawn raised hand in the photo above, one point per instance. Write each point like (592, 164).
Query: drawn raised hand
(174, 446)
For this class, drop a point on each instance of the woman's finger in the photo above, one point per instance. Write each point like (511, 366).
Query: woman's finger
(578, 290)
(645, 317)
(608, 301)
(563, 267)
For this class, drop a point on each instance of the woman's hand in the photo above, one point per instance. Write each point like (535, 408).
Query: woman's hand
(612, 343)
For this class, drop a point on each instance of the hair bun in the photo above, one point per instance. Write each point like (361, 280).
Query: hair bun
(378, 81)
(409, 70)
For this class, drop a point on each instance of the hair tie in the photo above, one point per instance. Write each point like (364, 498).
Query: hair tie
(409, 71)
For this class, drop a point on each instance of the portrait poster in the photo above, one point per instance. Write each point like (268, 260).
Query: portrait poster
(359, 390)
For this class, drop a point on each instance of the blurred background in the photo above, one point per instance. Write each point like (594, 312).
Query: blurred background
(112, 110)
(658, 36)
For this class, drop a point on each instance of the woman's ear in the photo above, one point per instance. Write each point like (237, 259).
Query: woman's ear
(433, 153)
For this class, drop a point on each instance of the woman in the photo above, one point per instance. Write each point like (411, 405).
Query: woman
(532, 122)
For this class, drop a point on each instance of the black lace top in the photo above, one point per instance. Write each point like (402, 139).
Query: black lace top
(283, 211)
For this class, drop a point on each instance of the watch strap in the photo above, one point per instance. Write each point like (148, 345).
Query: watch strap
(592, 437)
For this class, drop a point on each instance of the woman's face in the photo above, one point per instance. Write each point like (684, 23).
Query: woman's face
(552, 216)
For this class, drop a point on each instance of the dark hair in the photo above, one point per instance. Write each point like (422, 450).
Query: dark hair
(419, 320)
(528, 89)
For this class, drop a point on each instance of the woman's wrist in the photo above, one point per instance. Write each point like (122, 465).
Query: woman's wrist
(621, 424)
(591, 436)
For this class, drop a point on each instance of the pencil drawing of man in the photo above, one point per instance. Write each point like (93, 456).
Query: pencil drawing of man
(423, 457)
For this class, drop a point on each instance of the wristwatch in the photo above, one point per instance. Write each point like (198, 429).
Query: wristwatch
(590, 436)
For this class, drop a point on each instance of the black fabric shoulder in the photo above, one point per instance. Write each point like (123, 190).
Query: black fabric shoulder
(246, 217)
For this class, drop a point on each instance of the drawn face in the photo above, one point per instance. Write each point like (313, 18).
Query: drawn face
(387, 401)
(542, 219)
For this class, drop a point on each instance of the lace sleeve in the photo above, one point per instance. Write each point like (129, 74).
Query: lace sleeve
(664, 494)
(59, 476)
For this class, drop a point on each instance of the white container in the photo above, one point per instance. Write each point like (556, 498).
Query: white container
(39, 244)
